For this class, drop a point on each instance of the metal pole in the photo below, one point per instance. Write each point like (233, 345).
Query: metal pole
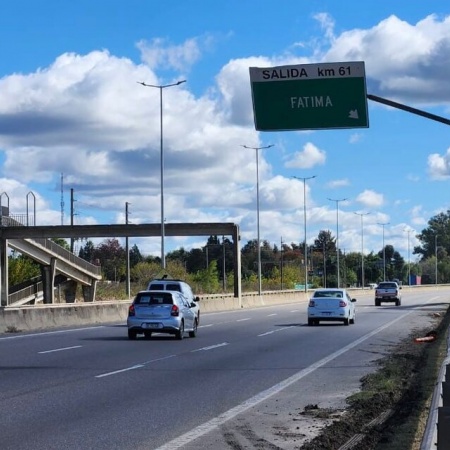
(304, 221)
(161, 87)
(384, 252)
(362, 248)
(337, 236)
(257, 212)
(127, 250)
(435, 255)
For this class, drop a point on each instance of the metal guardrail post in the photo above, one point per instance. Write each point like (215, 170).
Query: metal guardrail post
(443, 426)
(435, 436)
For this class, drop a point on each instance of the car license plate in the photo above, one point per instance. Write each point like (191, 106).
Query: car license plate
(326, 313)
(151, 325)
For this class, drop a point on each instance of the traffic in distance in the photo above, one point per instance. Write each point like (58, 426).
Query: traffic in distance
(170, 306)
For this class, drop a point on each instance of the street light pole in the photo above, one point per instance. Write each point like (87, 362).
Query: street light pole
(257, 210)
(161, 87)
(304, 216)
(435, 257)
(337, 235)
(362, 247)
(409, 260)
(127, 250)
(384, 252)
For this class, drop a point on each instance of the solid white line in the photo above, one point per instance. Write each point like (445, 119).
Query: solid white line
(274, 314)
(205, 428)
(60, 349)
(243, 320)
(138, 366)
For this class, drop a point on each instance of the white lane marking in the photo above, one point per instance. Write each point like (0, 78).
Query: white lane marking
(206, 326)
(275, 331)
(211, 347)
(206, 427)
(274, 314)
(137, 366)
(50, 332)
(60, 349)
(243, 320)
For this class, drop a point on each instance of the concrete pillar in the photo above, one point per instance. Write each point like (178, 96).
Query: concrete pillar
(237, 265)
(89, 291)
(4, 290)
(48, 281)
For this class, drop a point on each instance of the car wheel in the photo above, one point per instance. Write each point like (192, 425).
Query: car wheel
(346, 321)
(377, 303)
(398, 303)
(316, 322)
(132, 334)
(147, 334)
(180, 332)
(193, 333)
(352, 321)
(310, 322)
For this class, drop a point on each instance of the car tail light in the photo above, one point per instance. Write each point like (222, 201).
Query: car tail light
(342, 304)
(175, 311)
(312, 303)
(131, 311)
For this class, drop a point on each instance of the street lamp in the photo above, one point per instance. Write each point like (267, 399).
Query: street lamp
(435, 257)
(384, 252)
(337, 235)
(257, 210)
(127, 250)
(409, 261)
(304, 215)
(362, 247)
(161, 87)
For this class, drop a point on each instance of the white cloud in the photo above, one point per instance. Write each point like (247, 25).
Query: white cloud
(159, 53)
(370, 199)
(338, 183)
(439, 166)
(307, 158)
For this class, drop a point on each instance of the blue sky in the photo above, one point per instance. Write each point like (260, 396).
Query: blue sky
(71, 108)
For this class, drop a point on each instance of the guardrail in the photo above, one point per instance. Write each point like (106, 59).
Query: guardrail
(437, 431)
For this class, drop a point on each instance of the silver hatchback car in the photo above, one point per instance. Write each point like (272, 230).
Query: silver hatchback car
(161, 312)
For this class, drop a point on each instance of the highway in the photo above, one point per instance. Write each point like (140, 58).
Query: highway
(91, 387)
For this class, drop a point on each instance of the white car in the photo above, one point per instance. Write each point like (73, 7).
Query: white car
(170, 284)
(329, 304)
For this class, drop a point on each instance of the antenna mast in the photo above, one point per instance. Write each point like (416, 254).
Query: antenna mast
(62, 199)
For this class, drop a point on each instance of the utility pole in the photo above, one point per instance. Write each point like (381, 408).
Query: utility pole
(127, 250)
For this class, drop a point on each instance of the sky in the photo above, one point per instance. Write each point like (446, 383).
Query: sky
(74, 118)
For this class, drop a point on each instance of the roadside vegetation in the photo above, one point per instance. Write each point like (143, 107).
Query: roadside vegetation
(391, 410)
(209, 269)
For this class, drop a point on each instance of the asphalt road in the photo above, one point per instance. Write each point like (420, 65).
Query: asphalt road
(242, 380)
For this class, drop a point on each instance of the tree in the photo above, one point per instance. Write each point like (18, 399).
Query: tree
(87, 252)
(21, 268)
(111, 256)
(437, 232)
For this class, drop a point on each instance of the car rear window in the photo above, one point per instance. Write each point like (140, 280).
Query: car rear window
(156, 287)
(153, 299)
(173, 287)
(331, 294)
(387, 285)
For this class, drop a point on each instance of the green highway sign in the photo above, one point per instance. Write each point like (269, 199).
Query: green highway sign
(309, 96)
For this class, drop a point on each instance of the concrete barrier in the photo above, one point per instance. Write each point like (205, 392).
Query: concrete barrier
(39, 317)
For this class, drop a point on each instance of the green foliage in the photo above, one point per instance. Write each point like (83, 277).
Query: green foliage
(21, 268)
